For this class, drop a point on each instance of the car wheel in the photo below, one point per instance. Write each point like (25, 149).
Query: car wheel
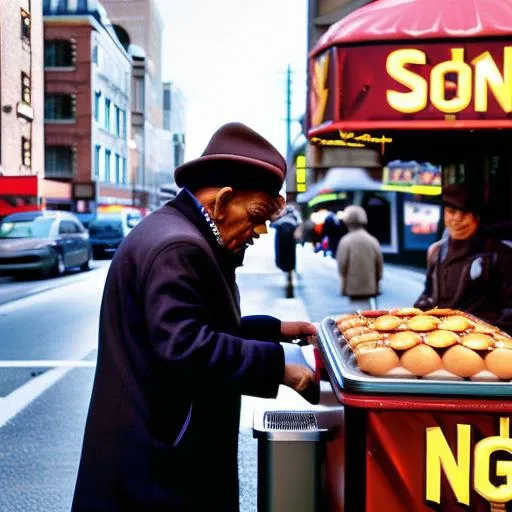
(59, 267)
(84, 267)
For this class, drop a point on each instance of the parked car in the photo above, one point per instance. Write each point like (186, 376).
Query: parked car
(108, 230)
(43, 242)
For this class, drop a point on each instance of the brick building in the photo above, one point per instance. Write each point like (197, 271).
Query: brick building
(87, 107)
(21, 102)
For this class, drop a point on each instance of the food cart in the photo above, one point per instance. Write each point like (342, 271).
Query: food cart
(418, 444)
(400, 442)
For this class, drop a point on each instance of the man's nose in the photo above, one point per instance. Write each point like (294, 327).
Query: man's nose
(260, 229)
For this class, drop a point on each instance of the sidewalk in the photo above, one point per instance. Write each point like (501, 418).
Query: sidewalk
(317, 295)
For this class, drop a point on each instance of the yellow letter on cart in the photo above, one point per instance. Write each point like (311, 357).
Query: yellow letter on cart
(457, 471)
(482, 470)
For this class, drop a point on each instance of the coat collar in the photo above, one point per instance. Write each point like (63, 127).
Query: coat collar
(187, 204)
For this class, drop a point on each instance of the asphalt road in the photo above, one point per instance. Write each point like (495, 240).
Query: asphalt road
(48, 335)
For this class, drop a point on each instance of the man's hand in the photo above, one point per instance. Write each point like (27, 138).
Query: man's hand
(298, 377)
(302, 380)
(298, 329)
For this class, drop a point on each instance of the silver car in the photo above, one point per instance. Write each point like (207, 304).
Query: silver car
(43, 242)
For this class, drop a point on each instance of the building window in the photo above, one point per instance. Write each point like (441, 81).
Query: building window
(118, 121)
(97, 152)
(25, 26)
(26, 94)
(82, 6)
(118, 169)
(123, 124)
(107, 114)
(58, 106)
(107, 165)
(26, 152)
(97, 98)
(62, 6)
(58, 161)
(124, 177)
(58, 54)
(138, 95)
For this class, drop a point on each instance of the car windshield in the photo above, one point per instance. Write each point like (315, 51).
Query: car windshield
(39, 227)
(106, 227)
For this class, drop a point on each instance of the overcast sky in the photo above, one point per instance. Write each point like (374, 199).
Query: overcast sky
(230, 57)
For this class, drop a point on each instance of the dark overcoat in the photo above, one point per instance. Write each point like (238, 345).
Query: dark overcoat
(174, 358)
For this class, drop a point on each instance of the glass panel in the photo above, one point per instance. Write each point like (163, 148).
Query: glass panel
(37, 228)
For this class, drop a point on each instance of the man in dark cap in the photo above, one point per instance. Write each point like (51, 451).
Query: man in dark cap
(468, 269)
(174, 354)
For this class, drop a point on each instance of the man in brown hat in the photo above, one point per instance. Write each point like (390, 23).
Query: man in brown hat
(174, 354)
(468, 269)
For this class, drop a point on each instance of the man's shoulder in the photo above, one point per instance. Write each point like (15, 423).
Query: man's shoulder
(498, 245)
(163, 228)
(435, 246)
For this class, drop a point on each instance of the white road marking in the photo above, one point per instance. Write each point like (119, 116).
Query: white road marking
(47, 364)
(15, 402)
(21, 397)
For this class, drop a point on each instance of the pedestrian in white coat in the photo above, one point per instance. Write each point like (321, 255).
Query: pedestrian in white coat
(360, 262)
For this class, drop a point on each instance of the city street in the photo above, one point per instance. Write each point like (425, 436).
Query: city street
(47, 357)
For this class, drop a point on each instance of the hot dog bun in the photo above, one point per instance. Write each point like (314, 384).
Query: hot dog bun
(499, 362)
(462, 361)
(377, 361)
(421, 360)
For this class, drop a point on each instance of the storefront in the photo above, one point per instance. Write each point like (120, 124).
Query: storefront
(18, 194)
(55, 195)
(428, 85)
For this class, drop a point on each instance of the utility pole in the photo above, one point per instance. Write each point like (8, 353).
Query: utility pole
(288, 109)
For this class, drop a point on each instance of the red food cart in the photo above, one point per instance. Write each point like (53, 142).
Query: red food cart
(415, 444)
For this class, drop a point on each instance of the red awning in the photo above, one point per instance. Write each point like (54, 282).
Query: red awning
(392, 20)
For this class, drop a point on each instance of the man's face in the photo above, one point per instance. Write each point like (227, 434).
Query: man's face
(461, 225)
(244, 211)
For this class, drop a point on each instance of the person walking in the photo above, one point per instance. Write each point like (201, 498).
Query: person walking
(174, 355)
(285, 245)
(333, 229)
(359, 258)
(468, 269)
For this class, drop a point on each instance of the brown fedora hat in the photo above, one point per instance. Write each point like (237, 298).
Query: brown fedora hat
(236, 156)
(461, 197)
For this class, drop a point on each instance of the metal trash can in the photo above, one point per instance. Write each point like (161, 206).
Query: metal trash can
(291, 461)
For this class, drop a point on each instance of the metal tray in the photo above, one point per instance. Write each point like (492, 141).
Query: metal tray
(345, 375)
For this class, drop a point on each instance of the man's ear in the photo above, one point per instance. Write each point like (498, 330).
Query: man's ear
(222, 198)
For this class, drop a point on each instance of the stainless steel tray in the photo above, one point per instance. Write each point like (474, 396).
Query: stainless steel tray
(345, 375)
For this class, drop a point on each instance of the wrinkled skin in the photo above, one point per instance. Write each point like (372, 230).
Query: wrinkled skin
(239, 214)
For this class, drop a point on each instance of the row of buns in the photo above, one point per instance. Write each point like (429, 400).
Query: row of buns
(424, 342)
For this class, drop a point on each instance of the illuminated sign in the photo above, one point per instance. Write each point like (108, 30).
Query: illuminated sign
(353, 140)
(326, 197)
(431, 85)
(457, 468)
(452, 82)
(300, 173)
(320, 88)
(413, 177)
